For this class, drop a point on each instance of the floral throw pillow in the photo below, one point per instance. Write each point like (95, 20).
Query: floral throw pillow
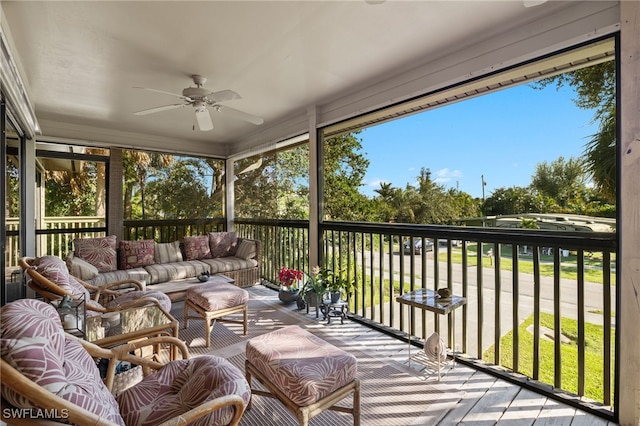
(223, 243)
(134, 254)
(197, 247)
(100, 252)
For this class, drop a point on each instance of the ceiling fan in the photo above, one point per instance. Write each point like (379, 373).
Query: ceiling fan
(201, 99)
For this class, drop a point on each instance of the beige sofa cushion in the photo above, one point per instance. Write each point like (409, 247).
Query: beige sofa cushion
(163, 272)
(228, 264)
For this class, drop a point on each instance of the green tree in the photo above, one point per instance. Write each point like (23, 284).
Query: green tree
(464, 204)
(344, 170)
(273, 185)
(563, 181)
(71, 193)
(427, 202)
(180, 192)
(12, 202)
(516, 200)
(388, 203)
(596, 88)
(137, 166)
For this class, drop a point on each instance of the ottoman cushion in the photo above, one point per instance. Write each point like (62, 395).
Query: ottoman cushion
(215, 296)
(304, 367)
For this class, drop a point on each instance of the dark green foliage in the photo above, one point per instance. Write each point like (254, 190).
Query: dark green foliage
(344, 169)
(595, 86)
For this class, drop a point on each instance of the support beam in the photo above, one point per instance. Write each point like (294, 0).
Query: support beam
(115, 195)
(314, 192)
(230, 194)
(629, 213)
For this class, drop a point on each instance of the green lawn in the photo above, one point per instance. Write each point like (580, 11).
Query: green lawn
(594, 349)
(594, 355)
(568, 269)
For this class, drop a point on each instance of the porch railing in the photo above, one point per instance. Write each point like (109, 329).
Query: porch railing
(57, 233)
(55, 236)
(166, 231)
(285, 241)
(541, 305)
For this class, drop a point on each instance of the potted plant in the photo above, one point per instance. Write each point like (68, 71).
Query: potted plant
(315, 287)
(289, 284)
(339, 283)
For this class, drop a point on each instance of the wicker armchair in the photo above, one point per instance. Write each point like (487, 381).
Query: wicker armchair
(45, 370)
(50, 279)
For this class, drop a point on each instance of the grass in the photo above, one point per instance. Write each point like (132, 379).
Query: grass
(593, 353)
(568, 269)
(594, 348)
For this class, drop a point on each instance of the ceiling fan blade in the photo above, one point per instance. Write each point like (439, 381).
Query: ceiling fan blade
(158, 109)
(533, 3)
(162, 91)
(223, 95)
(240, 114)
(204, 119)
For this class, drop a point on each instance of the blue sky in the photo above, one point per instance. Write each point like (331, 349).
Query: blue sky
(502, 136)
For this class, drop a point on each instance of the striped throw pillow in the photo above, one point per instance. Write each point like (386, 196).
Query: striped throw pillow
(246, 249)
(168, 252)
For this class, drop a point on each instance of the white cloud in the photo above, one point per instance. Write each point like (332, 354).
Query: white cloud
(445, 175)
(375, 183)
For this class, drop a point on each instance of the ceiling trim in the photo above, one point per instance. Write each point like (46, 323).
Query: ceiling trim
(509, 49)
(13, 87)
(589, 54)
(99, 137)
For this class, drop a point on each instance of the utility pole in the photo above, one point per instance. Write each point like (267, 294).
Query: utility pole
(484, 214)
(483, 185)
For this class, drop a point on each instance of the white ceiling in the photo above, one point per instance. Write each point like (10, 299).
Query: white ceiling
(81, 60)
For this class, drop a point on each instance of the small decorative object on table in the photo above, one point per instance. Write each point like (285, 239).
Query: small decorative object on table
(444, 294)
(72, 311)
(289, 289)
(203, 277)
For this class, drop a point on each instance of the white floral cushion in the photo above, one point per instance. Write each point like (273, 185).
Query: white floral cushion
(130, 296)
(303, 366)
(216, 296)
(223, 243)
(182, 385)
(100, 252)
(34, 342)
(55, 270)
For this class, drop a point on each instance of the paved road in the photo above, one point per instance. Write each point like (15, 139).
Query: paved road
(594, 298)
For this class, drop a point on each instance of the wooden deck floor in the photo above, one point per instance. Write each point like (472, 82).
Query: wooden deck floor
(487, 400)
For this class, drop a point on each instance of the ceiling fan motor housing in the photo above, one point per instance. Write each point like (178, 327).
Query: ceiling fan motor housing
(195, 92)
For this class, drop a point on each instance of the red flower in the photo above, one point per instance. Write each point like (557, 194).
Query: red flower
(289, 276)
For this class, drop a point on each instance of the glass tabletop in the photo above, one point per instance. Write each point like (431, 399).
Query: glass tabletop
(126, 321)
(429, 300)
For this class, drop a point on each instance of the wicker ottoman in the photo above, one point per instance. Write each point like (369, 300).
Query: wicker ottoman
(213, 301)
(307, 374)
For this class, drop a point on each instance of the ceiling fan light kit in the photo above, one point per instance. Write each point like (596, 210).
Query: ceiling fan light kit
(201, 98)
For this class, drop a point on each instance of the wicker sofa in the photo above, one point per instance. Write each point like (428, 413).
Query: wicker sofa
(104, 260)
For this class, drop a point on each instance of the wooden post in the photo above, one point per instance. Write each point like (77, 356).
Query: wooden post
(629, 213)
